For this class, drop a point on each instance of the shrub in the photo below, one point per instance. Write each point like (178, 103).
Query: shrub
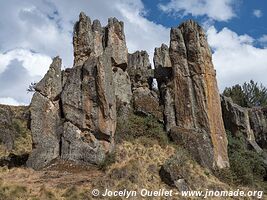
(147, 129)
(246, 166)
(109, 160)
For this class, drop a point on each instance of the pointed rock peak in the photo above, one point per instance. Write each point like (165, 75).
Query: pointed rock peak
(84, 17)
(189, 23)
(162, 58)
(114, 20)
(50, 86)
(164, 46)
(189, 57)
(93, 40)
(56, 63)
(97, 25)
(189, 26)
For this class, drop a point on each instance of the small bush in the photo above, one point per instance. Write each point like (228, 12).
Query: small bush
(109, 160)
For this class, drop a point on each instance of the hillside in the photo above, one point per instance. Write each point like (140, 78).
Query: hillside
(102, 124)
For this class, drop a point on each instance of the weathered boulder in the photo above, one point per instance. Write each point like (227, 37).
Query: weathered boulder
(197, 142)
(174, 174)
(80, 145)
(192, 95)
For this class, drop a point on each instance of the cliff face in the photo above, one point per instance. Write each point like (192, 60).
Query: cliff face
(249, 123)
(74, 111)
(191, 97)
(77, 119)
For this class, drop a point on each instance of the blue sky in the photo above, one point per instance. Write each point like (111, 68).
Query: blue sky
(34, 31)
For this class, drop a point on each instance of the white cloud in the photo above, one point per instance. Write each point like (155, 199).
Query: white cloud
(36, 64)
(263, 40)
(9, 101)
(236, 59)
(220, 10)
(45, 26)
(257, 13)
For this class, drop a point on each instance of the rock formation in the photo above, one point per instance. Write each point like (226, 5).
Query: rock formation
(74, 111)
(249, 123)
(145, 100)
(46, 125)
(258, 122)
(190, 94)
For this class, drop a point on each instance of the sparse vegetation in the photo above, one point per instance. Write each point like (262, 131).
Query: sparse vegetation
(31, 87)
(12, 192)
(246, 166)
(146, 129)
(109, 160)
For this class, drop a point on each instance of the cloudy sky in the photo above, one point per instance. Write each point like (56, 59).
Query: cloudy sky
(33, 31)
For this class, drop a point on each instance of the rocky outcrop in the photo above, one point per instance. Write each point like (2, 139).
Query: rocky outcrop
(74, 111)
(145, 99)
(244, 122)
(172, 172)
(258, 122)
(190, 93)
(14, 130)
(46, 125)
(91, 39)
(89, 108)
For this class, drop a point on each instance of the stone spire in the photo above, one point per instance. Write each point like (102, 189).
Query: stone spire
(191, 97)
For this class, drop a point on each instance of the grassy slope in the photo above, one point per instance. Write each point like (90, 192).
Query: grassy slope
(142, 147)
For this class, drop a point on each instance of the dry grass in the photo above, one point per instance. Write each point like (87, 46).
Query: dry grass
(136, 166)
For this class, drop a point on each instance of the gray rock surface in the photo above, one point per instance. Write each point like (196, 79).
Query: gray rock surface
(123, 91)
(73, 112)
(173, 173)
(91, 39)
(50, 86)
(238, 121)
(258, 122)
(145, 99)
(46, 123)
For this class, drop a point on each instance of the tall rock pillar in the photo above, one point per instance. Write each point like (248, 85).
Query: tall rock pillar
(192, 102)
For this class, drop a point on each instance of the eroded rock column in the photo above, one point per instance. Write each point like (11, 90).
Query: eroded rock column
(192, 102)
(46, 124)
